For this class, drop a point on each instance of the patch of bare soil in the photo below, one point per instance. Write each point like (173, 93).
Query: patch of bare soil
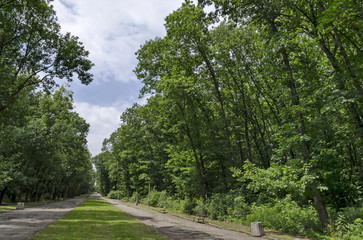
(179, 228)
(23, 224)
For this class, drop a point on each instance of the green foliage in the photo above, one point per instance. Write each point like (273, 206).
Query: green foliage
(218, 205)
(259, 98)
(43, 149)
(347, 223)
(354, 230)
(47, 156)
(285, 215)
(187, 205)
(231, 207)
(240, 209)
(156, 199)
(274, 182)
(116, 194)
(200, 208)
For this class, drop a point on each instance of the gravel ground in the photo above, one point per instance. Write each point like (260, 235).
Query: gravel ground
(179, 228)
(23, 224)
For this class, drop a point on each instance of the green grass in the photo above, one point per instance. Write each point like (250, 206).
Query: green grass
(97, 219)
(7, 207)
(12, 206)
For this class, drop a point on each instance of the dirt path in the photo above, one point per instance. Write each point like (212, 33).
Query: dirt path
(23, 224)
(179, 228)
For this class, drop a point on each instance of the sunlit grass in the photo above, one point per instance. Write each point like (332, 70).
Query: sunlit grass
(12, 206)
(97, 219)
(7, 207)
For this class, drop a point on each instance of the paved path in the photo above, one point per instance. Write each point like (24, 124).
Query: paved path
(179, 228)
(22, 224)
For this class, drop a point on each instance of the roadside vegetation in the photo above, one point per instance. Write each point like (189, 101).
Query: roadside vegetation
(278, 217)
(43, 146)
(97, 219)
(254, 113)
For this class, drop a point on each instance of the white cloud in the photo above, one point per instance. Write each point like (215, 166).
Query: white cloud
(103, 121)
(113, 30)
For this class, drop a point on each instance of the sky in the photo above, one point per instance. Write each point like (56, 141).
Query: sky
(112, 31)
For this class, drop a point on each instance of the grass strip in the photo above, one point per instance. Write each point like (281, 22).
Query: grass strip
(97, 219)
(12, 206)
(7, 207)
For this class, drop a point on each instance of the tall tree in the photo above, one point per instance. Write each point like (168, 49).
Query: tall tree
(33, 51)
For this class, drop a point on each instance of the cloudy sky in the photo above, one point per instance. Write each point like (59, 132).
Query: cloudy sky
(112, 30)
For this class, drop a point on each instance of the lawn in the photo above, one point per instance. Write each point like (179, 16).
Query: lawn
(97, 219)
(12, 206)
(6, 207)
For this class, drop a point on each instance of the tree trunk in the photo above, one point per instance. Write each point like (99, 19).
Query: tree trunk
(2, 194)
(320, 206)
(305, 146)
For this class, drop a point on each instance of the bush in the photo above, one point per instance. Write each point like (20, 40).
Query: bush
(135, 195)
(218, 205)
(117, 194)
(355, 230)
(347, 223)
(187, 206)
(200, 208)
(240, 209)
(285, 215)
(157, 199)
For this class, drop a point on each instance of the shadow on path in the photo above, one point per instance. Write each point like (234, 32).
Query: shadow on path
(23, 224)
(179, 228)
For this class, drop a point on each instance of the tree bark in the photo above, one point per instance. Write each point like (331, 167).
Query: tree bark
(2, 194)
(305, 146)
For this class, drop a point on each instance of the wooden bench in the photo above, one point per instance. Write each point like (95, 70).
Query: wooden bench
(200, 218)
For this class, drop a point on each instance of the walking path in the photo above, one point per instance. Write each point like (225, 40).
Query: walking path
(179, 228)
(22, 224)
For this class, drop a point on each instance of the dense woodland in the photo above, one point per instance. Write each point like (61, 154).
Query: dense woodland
(254, 113)
(43, 147)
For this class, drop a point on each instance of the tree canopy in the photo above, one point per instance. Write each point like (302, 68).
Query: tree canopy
(263, 98)
(43, 152)
(33, 52)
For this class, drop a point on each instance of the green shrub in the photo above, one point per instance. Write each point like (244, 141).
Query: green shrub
(152, 199)
(117, 194)
(187, 206)
(200, 208)
(355, 230)
(285, 215)
(157, 199)
(240, 209)
(218, 206)
(347, 223)
(134, 196)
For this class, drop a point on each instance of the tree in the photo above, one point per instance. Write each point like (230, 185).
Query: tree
(33, 52)
(48, 156)
(268, 90)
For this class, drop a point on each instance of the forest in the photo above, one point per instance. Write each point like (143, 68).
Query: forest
(254, 113)
(43, 146)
